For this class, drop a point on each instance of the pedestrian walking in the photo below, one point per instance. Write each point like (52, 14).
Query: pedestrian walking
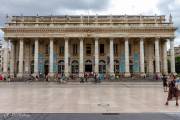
(173, 91)
(86, 77)
(165, 84)
(47, 78)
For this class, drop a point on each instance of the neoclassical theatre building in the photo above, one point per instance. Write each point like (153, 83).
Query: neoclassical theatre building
(115, 44)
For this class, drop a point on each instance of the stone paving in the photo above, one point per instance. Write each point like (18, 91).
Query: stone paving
(124, 97)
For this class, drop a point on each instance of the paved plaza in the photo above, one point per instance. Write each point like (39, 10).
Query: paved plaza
(106, 97)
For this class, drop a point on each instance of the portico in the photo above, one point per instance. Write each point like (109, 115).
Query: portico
(120, 49)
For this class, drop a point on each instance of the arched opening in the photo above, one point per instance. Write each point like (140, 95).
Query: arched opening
(61, 66)
(116, 66)
(75, 67)
(46, 67)
(88, 66)
(102, 67)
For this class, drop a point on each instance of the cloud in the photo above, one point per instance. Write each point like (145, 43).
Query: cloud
(172, 6)
(46, 7)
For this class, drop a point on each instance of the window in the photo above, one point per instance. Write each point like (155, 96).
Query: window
(33, 49)
(47, 49)
(101, 49)
(74, 49)
(88, 49)
(115, 49)
(61, 50)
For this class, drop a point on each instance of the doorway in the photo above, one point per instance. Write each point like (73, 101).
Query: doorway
(88, 66)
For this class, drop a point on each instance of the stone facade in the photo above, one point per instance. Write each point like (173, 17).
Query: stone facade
(76, 44)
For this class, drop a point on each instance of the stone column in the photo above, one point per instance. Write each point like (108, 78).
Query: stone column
(51, 52)
(165, 68)
(142, 57)
(21, 57)
(172, 56)
(27, 64)
(157, 62)
(111, 55)
(126, 44)
(66, 58)
(36, 52)
(96, 56)
(5, 58)
(81, 58)
(12, 58)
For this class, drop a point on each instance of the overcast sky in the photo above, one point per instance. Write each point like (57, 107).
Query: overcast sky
(78, 7)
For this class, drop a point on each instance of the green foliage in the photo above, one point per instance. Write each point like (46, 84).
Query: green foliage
(177, 64)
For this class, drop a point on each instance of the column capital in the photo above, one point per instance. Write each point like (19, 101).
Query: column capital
(171, 38)
(51, 38)
(126, 38)
(157, 38)
(142, 37)
(81, 38)
(36, 38)
(66, 38)
(96, 38)
(21, 39)
(111, 38)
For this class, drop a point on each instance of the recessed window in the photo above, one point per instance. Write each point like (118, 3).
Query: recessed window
(47, 49)
(115, 49)
(61, 50)
(88, 49)
(101, 49)
(75, 49)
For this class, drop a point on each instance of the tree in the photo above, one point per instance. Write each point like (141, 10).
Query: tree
(177, 64)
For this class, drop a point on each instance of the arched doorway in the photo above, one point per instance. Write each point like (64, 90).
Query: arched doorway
(102, 67)
(75, 67)
(46, 67)
(32, 66)
(116, 66)
(61, 66)
(88, 66)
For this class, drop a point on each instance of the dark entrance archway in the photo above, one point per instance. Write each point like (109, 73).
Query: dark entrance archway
(75, 67)
(88, 66)
(61, 66)
(102, 67)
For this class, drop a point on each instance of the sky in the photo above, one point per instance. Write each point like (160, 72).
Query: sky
(92, 7)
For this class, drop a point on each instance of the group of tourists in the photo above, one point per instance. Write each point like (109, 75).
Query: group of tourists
(87, 75)
(173, 93)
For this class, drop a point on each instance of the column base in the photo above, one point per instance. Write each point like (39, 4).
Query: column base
(81, 74)
(127, 74)
(158, 73)
(174, 73)
(35, 74)
(20, 75)
(165, 73)
(112, 74)
(142, 74)
(66, 74)
(5, 74)
(12, 75)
